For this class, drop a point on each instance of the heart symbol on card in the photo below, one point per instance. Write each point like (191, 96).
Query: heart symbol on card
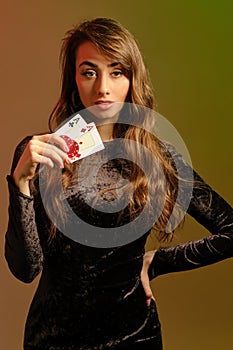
(73, 147)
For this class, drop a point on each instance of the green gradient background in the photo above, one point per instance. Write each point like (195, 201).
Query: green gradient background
(187, 46)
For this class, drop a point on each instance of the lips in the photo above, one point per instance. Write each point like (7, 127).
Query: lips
(104, 105)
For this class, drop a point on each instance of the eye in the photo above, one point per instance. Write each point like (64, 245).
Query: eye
(117, 73)
(89, 74)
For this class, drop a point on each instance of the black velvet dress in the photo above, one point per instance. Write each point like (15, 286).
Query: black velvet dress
(92, 298)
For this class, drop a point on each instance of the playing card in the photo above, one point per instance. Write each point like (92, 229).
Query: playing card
(90, 142)
(72, 127)
(82, 139)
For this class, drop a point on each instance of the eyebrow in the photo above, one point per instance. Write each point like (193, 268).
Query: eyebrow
(93, 65)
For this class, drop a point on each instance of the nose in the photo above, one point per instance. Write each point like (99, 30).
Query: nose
(102, 85)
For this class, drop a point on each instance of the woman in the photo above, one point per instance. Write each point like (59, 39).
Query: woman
(92, 297)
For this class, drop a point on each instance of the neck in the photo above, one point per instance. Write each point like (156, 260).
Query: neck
(106, 131)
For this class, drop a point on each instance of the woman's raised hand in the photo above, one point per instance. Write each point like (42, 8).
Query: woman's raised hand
(46, 149)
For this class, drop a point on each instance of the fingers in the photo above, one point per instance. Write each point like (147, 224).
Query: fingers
(48, 149)
(147, 259)
(146, 286)
(53, 139)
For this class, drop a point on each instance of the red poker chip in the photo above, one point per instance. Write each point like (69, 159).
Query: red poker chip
(73, 147)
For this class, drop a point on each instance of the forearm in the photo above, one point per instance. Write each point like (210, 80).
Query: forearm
(192, 255)
(210, 210)
(23, 250)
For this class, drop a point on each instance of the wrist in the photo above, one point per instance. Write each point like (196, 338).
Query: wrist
(22, 183)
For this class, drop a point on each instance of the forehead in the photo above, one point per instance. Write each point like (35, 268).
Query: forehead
(89, 52)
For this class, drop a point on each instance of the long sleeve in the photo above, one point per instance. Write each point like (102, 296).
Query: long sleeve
(210, 210)
(23, 250)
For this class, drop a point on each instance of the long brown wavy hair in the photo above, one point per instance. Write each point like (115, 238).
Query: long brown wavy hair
(114, 41)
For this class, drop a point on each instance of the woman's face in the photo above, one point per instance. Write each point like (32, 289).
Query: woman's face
(101, 82)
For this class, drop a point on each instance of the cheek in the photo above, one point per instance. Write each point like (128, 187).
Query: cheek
(83, 89)
(79, 85)
(124, 89)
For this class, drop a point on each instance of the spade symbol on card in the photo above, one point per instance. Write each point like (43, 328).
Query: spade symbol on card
(73, 147)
